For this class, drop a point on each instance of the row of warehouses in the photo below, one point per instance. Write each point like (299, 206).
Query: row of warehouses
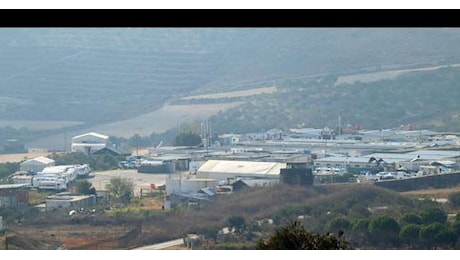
(212, 171)
(422, 161)
(254, 169)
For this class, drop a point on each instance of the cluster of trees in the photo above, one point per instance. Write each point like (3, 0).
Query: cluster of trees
(9, 132)
(8, 168)
(425, 230)
(296, 237)
(187, 139)
(428, 229)
(121, 190)
(99, 162)
(185, 135)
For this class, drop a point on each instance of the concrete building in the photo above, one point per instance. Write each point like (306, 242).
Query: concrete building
(351, 164)
(241, 184)
(36, 164)
(14, 195)
(65, 201)
(89, 143)
(193, 185)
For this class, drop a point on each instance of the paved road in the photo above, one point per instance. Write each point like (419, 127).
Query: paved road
(163, 245)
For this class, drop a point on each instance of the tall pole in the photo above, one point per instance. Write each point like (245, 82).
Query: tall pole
(340, 128)
(210, 136)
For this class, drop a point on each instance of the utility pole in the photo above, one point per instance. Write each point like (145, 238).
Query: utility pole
(340, 126)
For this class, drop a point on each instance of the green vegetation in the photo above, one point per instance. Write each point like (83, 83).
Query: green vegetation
(187, 139)
(38, 197)
(296, 237)
(98, 162)
(121, 190)
(423, 99)
(6, 169)
(84, 187)
(454, 199)
(258, 217)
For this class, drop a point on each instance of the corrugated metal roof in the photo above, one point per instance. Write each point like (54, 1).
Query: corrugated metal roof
(242, 167)
(92, 134)
(343, 159)
(41, 159)
(436, 153)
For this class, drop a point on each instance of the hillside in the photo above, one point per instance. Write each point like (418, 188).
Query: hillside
(280, 202)
(94, 76)
(424, 99)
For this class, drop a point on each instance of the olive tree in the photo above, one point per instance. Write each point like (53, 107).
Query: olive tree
(120, 189)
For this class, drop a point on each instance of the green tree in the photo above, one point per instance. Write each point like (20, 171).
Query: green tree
(337, 224)
(84, 187)
(295, 237)
(238, 223)
(411, 218)
(187, 139)
(454, 199)
(211, 232)
(6, 169)
(429, 233)
(384, 230)
(120, 189)
(360, 230)
(455, 227)
(432, 215)
(409, 234)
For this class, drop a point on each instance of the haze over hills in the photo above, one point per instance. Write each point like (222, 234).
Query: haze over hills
(104, 75)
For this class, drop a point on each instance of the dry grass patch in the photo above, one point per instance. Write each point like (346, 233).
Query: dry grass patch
(434, 193)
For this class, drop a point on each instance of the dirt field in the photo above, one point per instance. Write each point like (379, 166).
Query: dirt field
(432, 193)
(167, 117)
(242, 93)
(158, 121)
(376, 76)
(18, 157)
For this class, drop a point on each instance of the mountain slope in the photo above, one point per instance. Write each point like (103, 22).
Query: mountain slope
(102, 75)
(425, 99)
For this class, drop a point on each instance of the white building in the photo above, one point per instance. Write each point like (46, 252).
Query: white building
(224, 170)
(36, 164)
(89, 143)
(184, 185)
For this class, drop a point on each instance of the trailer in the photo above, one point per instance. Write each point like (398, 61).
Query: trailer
(49, 182)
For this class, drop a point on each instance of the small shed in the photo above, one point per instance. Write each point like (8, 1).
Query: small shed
(65, 201)
(14, 195)
(36, 164)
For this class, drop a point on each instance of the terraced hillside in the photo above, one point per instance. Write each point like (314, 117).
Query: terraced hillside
(93, 85)
(103, 75)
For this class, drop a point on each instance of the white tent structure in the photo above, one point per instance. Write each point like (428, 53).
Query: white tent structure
(36, 164)
(89, 142)
(224, 170)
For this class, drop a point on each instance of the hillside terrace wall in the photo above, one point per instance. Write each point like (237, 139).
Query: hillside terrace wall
(437, 181)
